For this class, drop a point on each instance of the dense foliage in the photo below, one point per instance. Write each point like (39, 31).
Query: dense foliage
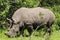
(8, 7)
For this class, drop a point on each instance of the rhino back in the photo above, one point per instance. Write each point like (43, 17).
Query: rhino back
(32, 15)
(35, 15)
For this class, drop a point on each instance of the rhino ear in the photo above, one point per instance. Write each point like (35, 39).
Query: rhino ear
(9, 20)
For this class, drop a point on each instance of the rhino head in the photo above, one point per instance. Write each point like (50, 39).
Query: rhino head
(13, 29)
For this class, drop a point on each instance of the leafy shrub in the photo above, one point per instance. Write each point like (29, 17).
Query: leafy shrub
(58, 20)
(56, 9)
(8, 7)
(49, 2)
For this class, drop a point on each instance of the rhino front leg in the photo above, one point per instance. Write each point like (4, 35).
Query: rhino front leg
(30, 29)
(48, 29)
(22, 31)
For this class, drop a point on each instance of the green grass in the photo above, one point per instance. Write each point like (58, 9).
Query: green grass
(54, 36)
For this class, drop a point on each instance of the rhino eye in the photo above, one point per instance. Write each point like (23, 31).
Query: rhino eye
(18, 22)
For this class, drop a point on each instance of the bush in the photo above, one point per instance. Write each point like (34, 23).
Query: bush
(49, 2)
(8, 7)
(56, 9)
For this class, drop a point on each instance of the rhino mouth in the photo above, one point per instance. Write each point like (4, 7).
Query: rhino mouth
(6, 34)
(10, 36)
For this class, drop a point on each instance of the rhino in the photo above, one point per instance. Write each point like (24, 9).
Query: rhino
(30, 18)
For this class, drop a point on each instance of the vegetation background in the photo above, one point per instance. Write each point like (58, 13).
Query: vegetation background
(8, 7)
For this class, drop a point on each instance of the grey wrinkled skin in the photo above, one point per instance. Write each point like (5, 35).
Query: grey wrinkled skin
(28, 17)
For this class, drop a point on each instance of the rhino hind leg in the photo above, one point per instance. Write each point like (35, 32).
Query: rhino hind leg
(49, 30)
